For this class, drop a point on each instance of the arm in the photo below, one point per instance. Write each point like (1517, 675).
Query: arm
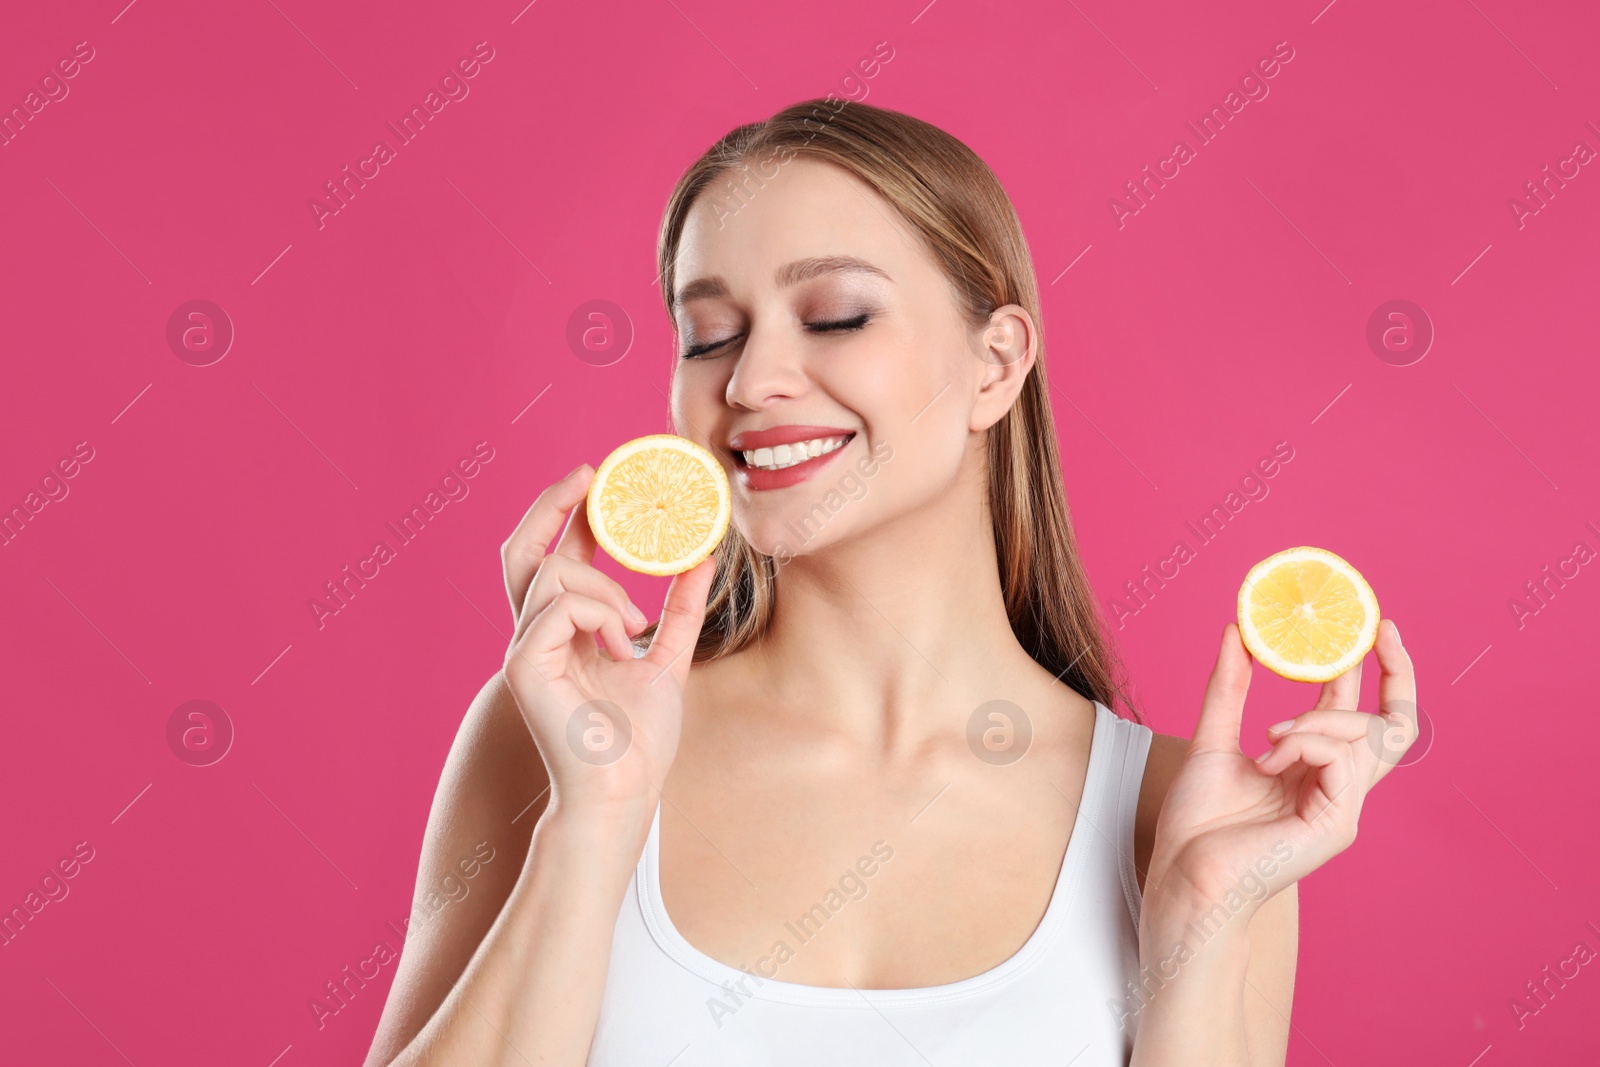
(513, 971)
(491, 765)
(1233, 837)
(1228, 999)
(1271, 941)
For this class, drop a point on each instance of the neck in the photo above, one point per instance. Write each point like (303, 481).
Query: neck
(909, 620)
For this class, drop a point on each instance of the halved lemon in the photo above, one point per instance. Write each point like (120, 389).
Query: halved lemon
(659, 504)
(1306, 614)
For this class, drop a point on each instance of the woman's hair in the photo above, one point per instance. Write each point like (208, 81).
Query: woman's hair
(954, 201)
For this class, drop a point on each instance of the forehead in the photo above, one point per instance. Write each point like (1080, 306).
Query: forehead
(809, 207)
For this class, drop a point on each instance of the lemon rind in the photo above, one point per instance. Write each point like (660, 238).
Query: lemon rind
(719, 522)
(1308, 672)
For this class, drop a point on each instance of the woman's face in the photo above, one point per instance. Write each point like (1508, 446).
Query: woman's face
(810, 317)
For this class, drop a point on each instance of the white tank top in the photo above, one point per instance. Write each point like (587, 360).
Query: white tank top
(1063, 997)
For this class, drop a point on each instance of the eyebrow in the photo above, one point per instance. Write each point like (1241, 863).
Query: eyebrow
(800, 270)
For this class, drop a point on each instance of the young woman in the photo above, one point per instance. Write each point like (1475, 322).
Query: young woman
(861, 796)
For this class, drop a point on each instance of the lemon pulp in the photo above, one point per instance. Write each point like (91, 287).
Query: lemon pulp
(659, 504)
(1307, 614)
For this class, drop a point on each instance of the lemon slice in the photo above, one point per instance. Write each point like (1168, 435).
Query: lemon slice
(1306, 614)
(659, 504)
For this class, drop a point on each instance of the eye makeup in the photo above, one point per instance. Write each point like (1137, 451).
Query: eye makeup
(836, 323)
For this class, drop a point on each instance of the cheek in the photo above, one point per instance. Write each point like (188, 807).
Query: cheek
(891, 379)
(910, 456)
(908, 392)
(697, 397)
(916, 401)
(928, 457)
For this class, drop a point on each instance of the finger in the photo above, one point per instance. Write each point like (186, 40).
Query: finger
(1338, 723)
(577, 540)
(1391, 732)
(1397, 699)
(1223, 707)
(1343, 691)
(1362, 731)
(682, 615)
(1397, 682)
(1336, 773)
(525, 549)
(566, 616)
(558, 574)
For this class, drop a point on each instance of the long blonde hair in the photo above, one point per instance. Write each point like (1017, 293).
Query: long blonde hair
(954, 201)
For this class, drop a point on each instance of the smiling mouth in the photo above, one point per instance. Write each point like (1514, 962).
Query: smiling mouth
(782, 457)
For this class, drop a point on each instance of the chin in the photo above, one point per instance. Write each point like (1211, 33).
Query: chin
(772, 536)
(802, 533)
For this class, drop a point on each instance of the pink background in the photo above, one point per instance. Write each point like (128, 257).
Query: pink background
(373, 353)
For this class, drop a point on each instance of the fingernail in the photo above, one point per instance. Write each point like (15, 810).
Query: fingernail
(1278, 728)
(1397, 633)
(635, 614)
(1264, 755)
(575, 470)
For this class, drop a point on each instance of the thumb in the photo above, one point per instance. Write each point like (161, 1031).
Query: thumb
(682, 615)
(1223, 707)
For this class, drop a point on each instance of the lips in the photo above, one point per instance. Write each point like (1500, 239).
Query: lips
(765, 443)
(783, 435)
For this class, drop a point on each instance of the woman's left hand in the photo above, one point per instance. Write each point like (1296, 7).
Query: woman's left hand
(1250, 828)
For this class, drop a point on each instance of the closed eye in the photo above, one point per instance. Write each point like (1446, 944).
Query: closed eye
(839, 325)
(842, 324)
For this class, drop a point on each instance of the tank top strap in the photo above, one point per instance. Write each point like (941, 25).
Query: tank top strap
(1129, 754)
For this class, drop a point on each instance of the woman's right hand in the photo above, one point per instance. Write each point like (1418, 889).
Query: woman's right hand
(606, 723)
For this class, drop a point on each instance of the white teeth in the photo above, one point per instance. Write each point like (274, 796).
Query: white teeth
(781, 456)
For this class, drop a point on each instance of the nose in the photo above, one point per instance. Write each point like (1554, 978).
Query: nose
(770, 367)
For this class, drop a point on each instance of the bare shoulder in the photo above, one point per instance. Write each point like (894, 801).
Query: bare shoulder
(491, 791)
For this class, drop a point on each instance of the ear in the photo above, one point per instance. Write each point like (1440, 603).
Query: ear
(1006, 346)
